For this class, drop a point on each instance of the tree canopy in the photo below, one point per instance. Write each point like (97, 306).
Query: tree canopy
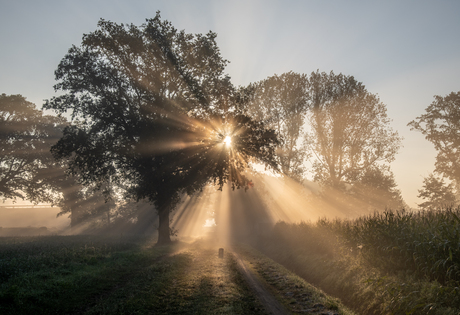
(26, 136)
(377, 188)
(436, 193)
(281, 102)
(150, 109)
(441, 126)
(349, 132)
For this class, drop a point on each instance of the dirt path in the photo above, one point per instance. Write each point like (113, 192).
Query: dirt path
(270, 303)
(281, 291)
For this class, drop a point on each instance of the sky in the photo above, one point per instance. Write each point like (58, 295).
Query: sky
(404, 51)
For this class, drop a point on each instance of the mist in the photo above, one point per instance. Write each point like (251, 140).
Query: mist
(230, 216)
(31, 218)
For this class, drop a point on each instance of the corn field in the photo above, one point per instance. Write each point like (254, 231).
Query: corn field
(394, 262)
(426, 243)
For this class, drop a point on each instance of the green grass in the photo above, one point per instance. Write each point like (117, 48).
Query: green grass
(64, 274)
(389, 263)
(118, 275)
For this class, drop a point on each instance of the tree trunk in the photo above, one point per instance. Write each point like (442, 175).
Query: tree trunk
(163, 228)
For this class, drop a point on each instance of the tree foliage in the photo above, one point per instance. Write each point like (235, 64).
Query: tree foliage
(349, 132)
(281, 102)
(26, 136)
(441, 126)
(437, 193)
(151, 106)
(378, 189)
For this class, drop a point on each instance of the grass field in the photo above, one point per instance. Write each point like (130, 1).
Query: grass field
(117, 275)
(129, 275)
(389, 263)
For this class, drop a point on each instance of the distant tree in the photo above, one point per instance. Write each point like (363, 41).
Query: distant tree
(441, 126)
(70, 198)
(437, 193)
(281, 102)
(378, 189)
(150, 109)
(28, 169)
(26, 164)
(349, 130)
(84, 204)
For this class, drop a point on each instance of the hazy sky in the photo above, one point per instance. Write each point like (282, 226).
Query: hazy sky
(404, 51)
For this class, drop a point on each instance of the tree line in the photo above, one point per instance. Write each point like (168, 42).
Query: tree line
(148, 109)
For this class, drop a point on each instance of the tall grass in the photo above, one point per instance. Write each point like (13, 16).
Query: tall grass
(395, 262)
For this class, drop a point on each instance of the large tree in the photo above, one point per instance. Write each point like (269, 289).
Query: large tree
(151, 107)
(441, 126)
(26, 136)
(349, 130)
(281, 102)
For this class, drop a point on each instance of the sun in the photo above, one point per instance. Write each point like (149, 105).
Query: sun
(228, 141)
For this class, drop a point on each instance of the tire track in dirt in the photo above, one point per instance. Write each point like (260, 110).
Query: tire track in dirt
(281, 291)
(270, 303)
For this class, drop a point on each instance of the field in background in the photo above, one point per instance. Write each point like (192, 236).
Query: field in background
(396, 262)
(22, 216)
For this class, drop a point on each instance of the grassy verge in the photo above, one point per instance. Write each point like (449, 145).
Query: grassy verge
(390, 263)
(297, 295)
(107, 275)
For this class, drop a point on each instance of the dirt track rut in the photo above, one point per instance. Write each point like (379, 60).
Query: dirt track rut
(270, 303)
